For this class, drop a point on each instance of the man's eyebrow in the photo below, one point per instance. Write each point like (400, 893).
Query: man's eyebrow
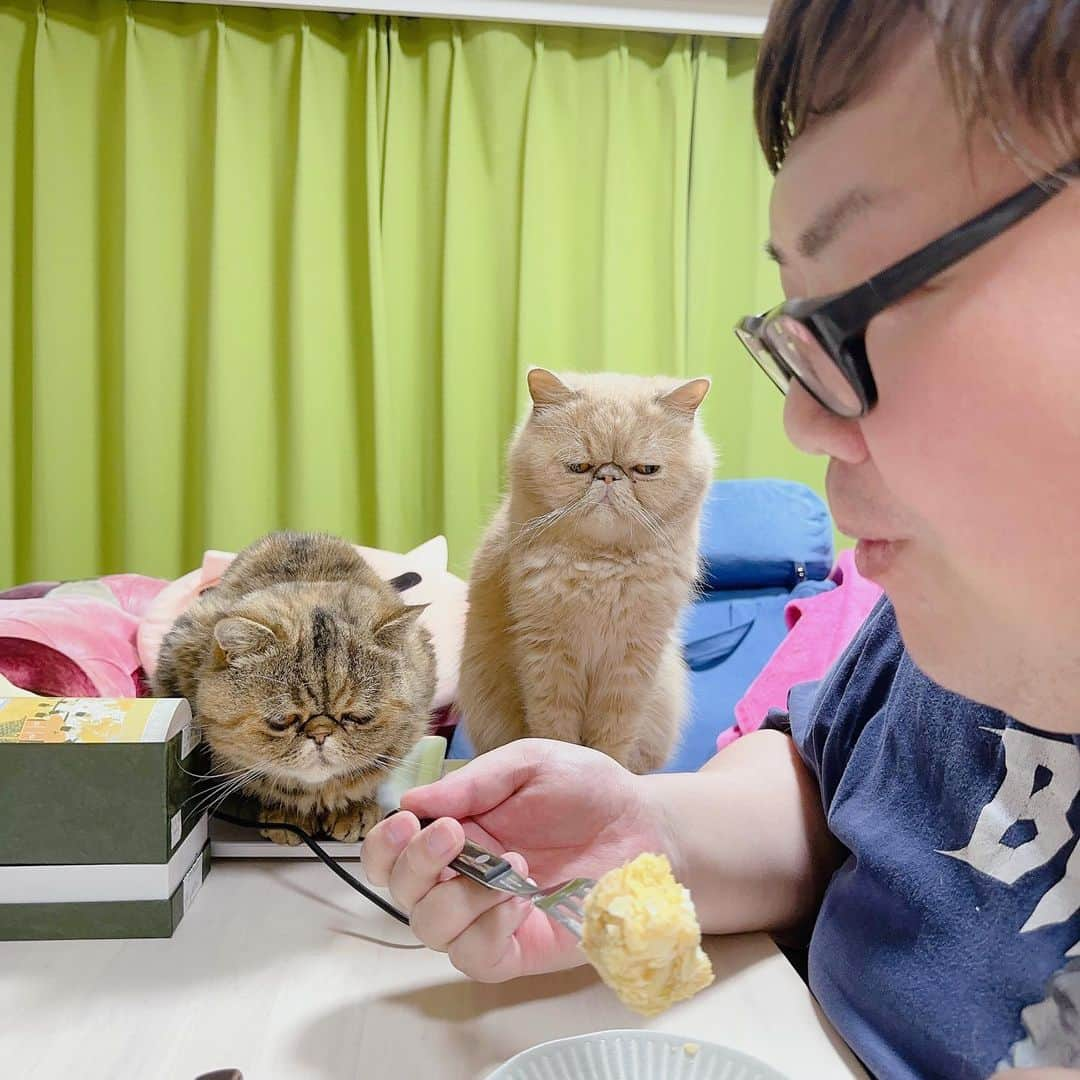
(830, 222)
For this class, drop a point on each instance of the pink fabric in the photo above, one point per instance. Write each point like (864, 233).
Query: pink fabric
(134, 592)
(445, 595)
(98, 637)
(101, 638)
(30, 591)
(29, 665)
(172, 602)
(75, 644)
(819, 629)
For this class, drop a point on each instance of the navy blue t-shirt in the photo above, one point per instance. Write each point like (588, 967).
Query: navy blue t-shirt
(945, 944)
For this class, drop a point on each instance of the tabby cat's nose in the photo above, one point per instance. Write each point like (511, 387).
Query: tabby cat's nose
(318, 728)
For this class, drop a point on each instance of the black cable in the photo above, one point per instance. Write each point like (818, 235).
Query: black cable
(334, 865)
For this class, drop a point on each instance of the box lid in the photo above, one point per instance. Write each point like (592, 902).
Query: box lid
(92, 720)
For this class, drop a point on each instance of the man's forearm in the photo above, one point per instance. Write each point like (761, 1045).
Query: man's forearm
(747, 836)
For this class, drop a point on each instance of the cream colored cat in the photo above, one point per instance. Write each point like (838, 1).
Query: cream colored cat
(576, 590)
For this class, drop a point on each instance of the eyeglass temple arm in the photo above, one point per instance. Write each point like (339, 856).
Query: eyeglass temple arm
(907, 275)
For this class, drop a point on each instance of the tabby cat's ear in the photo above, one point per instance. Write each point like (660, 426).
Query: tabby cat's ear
(393, 629)
(686, 398)
(244, 641)
(546, 388)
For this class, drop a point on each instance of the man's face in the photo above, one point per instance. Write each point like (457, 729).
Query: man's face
(969, 466)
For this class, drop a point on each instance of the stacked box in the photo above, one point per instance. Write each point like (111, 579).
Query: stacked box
(101, 833)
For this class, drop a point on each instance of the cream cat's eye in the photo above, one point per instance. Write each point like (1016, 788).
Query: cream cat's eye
(583, 481)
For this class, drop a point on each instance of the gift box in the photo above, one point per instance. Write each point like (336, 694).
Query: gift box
(102, 831)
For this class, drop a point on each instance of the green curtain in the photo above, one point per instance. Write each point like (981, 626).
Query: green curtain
(269, 268)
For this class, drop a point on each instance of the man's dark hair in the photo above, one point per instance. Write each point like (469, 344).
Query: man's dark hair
(1002, 60)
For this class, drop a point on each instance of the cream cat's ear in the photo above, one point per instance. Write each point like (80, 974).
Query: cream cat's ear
(392, 630)
(244, 640)
(688, 397)
(546, 388)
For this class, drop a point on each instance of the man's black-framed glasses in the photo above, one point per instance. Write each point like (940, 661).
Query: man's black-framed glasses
(821, 343)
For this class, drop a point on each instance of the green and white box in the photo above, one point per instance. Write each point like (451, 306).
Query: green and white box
(40, 903)
(100, 823)
(95, 780)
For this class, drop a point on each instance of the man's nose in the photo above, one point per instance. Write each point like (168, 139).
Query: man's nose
(815, 430)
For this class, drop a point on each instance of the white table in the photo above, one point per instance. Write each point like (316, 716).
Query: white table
(281, 970)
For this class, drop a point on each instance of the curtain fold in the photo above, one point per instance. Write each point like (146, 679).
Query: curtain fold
(263, 268)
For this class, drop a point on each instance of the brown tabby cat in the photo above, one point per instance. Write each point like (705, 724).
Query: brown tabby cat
(577, 588)
(309, 677)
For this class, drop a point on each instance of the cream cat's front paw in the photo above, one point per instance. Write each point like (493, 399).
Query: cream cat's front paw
(352, 823)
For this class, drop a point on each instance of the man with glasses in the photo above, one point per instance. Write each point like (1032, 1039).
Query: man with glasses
(920, 819)
(821, 343)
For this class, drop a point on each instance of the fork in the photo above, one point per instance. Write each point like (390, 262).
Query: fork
(564, 903)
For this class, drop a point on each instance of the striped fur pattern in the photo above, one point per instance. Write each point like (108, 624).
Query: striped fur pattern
(310, 677)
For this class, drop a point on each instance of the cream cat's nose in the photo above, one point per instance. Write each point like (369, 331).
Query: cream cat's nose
(609, 473)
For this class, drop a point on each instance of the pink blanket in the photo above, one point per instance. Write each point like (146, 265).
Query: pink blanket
(819, 629)
(78, 639)
(101, 638)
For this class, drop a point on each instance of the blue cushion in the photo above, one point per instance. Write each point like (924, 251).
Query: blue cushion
(760, 534)
(727, 642)
(757, 621)
(763, 543)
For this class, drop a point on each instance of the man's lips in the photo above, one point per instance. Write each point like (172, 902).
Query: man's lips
(874, 558)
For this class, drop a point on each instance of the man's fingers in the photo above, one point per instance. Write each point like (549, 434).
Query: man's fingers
(451, 907)
(420, 864)
(384, 844)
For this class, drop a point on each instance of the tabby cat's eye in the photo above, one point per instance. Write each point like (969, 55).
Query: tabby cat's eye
(579, 467)
(646, 470)
(283, 723)
(353, 718)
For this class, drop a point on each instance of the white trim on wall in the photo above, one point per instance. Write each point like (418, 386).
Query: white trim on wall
(733, 18)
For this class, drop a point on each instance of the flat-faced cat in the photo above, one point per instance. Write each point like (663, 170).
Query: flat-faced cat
(309, 677)
(577, 587)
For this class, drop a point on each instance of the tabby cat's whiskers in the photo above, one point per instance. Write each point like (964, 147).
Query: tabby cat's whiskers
(299, 634)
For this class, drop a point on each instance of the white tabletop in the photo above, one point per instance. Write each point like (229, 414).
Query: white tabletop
(281, 970)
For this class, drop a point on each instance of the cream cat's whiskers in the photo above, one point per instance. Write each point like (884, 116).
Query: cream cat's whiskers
(534, 528)
(653, 524)
(572, 628)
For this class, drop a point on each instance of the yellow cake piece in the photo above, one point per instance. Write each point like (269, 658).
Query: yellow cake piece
(642, 935)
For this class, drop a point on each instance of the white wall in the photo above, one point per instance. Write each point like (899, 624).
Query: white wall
(740, 18)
